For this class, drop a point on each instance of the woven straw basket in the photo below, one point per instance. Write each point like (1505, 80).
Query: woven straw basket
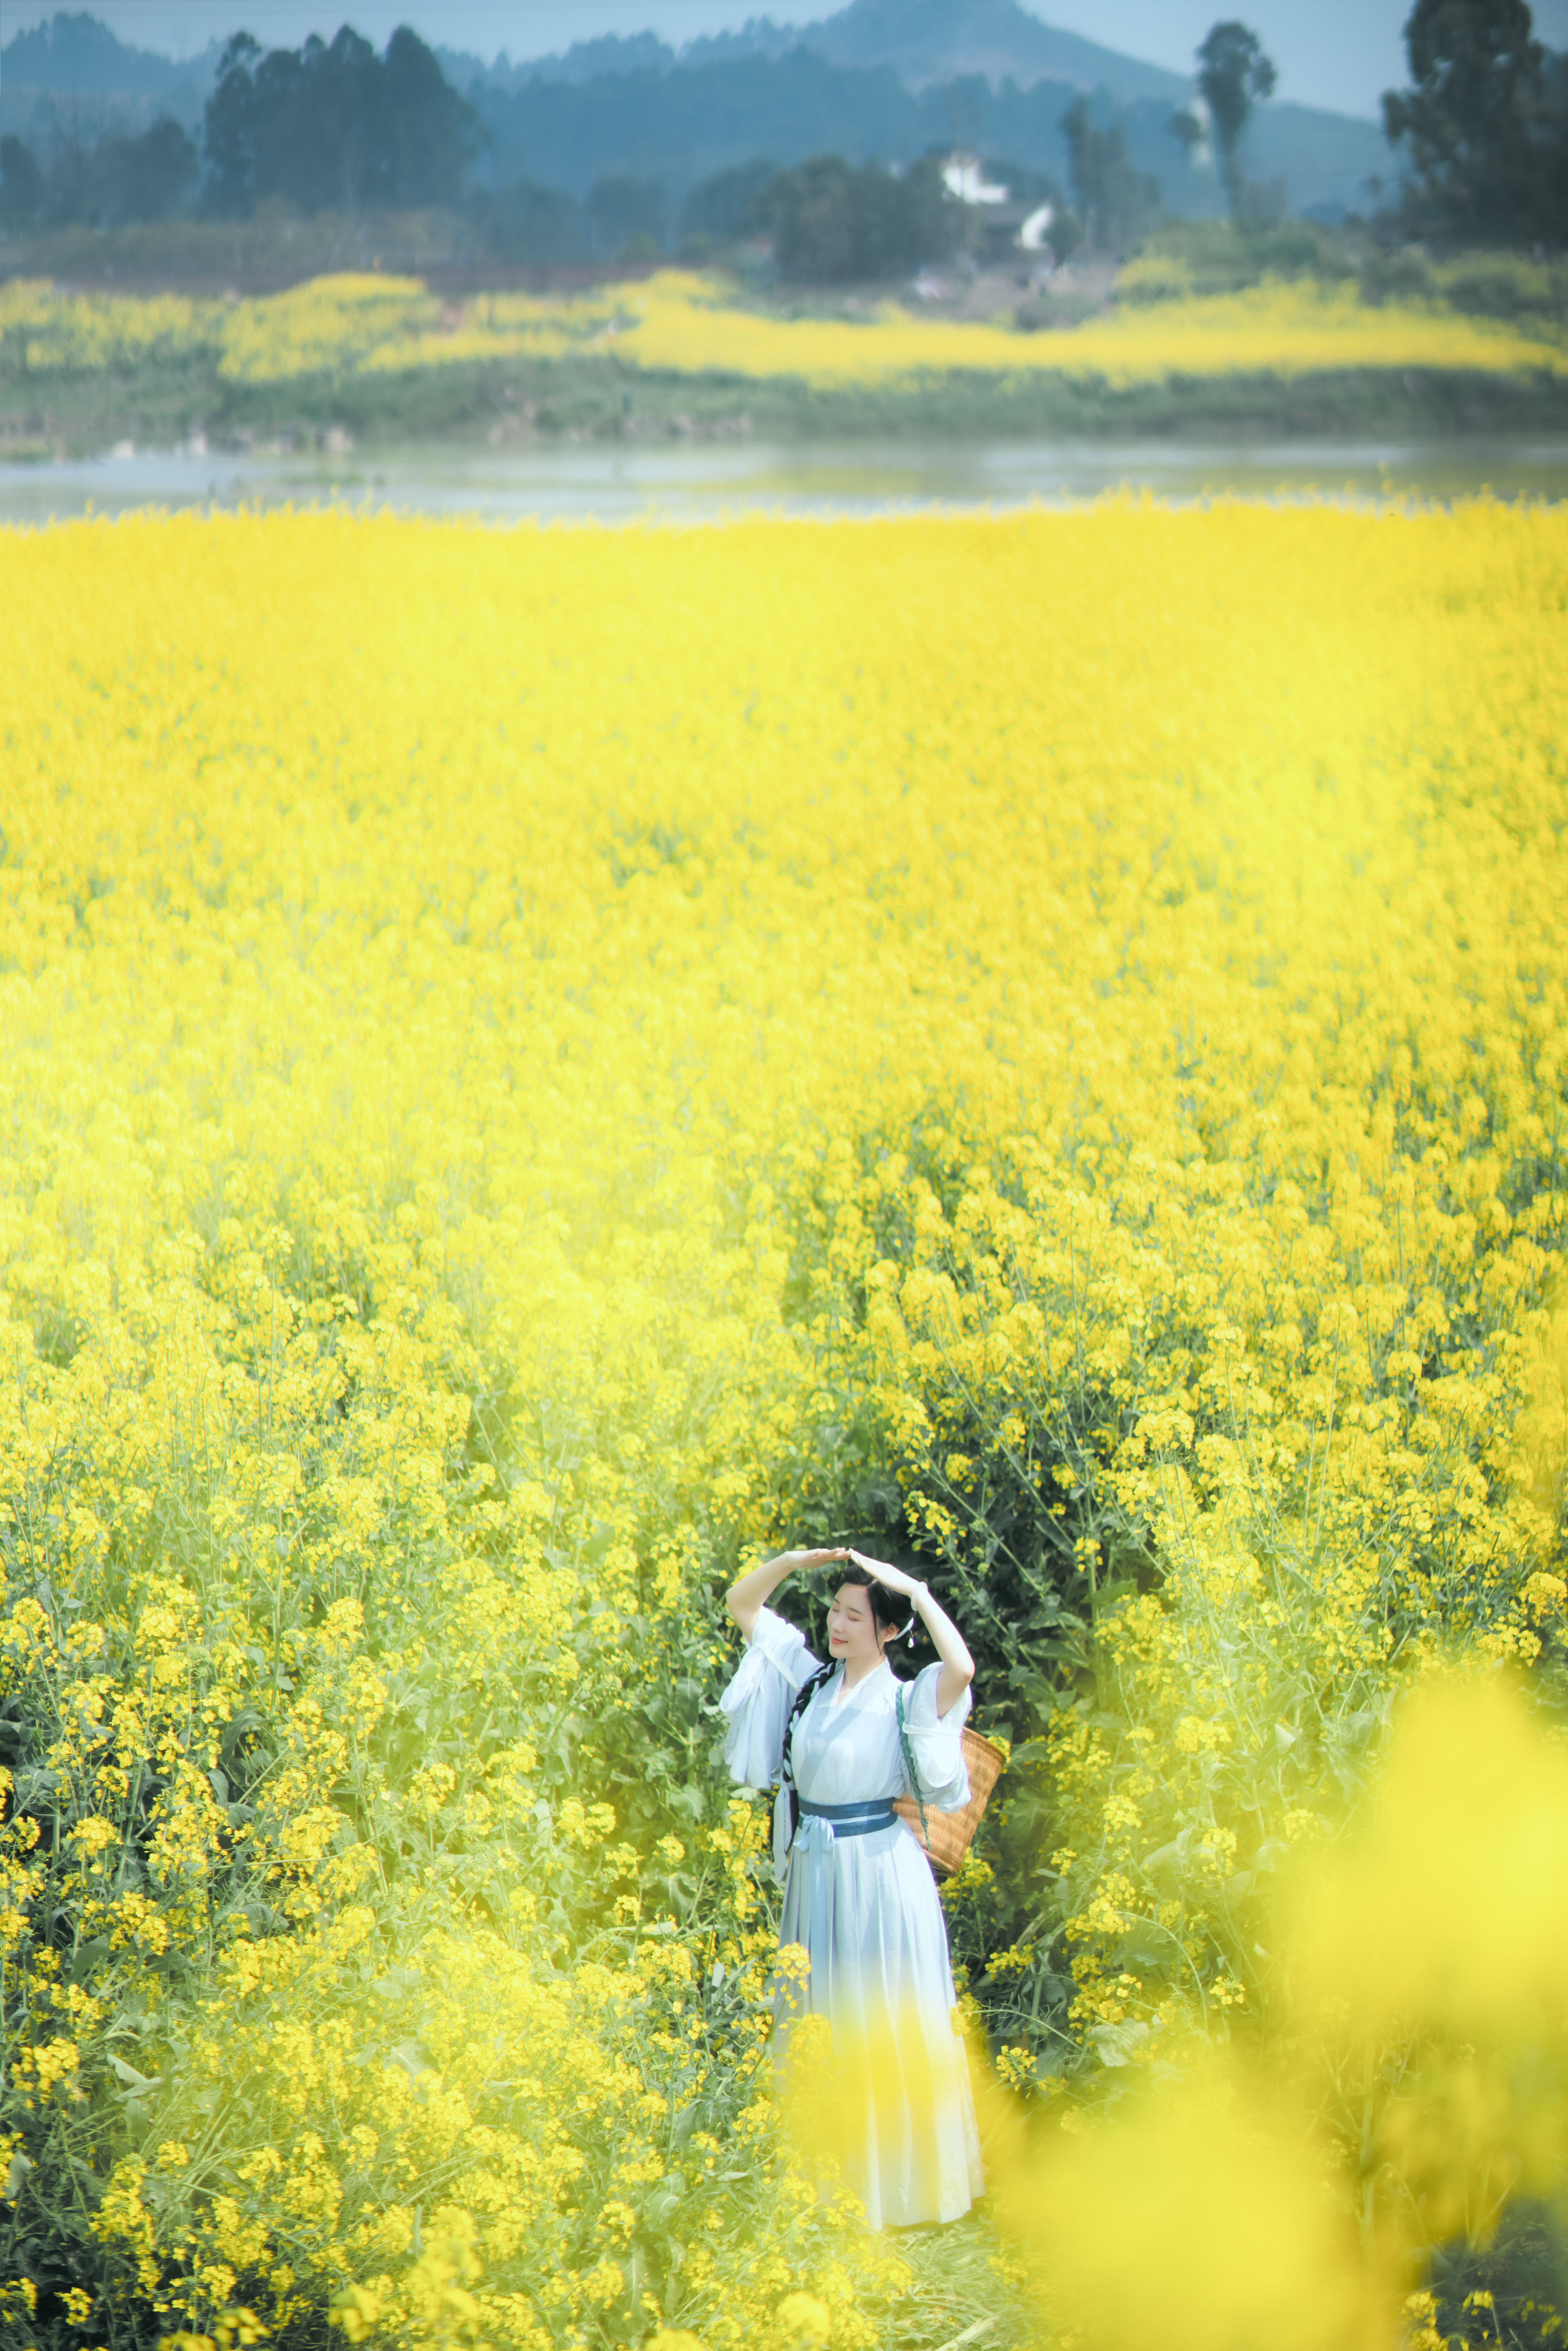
(950, 1833)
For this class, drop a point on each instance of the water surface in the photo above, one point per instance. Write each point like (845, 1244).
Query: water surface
(619, 482)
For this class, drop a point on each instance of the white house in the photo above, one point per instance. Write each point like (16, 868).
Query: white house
(1004, 226)
(963, 176)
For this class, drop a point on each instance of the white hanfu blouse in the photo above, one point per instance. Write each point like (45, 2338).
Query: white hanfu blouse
(864, 1907)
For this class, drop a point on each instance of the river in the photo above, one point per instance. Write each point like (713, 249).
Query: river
(705, 481)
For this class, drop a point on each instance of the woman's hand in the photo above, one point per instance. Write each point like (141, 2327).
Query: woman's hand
(746, 1599)
(891, 1578)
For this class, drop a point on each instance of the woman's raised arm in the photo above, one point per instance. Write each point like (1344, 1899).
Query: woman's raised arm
(745, 1599)
(958, 1665)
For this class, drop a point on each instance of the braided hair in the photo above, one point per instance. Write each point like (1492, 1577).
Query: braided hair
(803, 1698)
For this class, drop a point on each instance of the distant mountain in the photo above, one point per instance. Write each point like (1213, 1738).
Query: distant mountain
(927, 41)
(879, 77)
(75, 53)
(610, 53)
(924, 42)
(678, 124)
(76, 62)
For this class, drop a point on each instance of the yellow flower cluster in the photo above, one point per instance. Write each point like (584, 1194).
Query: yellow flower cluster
(689, 327)
(328, 325)
(45, 332)
(683, 324)
(511, 1044)
(350, 323)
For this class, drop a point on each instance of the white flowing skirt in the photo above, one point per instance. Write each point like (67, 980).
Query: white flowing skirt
(866, 1912)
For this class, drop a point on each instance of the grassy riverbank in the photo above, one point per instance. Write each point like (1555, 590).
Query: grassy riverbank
(381, 359)
(601, 402)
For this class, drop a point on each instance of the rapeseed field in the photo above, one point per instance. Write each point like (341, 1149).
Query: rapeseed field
(539, 1065)
(680, 323)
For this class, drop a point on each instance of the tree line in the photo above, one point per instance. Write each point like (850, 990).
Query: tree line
(330, 125)
(108, 181)
(1484, 124)
(1482, 127)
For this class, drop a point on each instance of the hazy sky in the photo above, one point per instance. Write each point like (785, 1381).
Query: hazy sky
(1337, 53)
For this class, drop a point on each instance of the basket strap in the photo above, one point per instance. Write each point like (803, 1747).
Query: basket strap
(910, 1773)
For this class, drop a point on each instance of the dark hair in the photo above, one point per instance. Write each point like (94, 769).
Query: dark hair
(889, 1612)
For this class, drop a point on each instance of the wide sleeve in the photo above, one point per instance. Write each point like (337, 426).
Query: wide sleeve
(936, 1743)
(758, 1700)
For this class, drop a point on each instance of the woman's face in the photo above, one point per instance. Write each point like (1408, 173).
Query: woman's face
(852, 1635)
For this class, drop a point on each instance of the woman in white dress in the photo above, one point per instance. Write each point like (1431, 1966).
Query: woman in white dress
(840, 1741)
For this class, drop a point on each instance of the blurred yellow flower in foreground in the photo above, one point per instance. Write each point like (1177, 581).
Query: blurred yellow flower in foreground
(1288, 2194)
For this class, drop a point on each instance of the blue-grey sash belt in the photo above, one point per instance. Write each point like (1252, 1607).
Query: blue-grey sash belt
(850, 1820)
